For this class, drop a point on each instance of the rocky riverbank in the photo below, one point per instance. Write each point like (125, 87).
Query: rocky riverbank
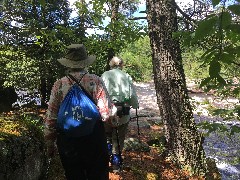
(218, 145)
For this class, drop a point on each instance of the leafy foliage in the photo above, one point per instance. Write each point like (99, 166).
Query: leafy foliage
(31, 39)
(137, 58)
(213, 127)
(193, 65)
(217, 40)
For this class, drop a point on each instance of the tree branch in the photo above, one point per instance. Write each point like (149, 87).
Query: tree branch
(188, 18)
(137, 18)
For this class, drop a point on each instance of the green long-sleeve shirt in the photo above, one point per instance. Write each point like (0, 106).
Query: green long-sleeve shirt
(120, 88)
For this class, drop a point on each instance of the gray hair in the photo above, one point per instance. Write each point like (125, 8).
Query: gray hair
(115, 62)
(69, 70)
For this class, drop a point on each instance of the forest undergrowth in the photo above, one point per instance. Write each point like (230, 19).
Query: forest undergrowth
(138, 165)
(150, 165)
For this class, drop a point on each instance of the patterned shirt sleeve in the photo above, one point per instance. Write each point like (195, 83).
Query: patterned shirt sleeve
(103, 101)
(51, 114)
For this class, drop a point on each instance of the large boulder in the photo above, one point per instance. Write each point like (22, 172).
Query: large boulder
(22, 151)
(7, 97)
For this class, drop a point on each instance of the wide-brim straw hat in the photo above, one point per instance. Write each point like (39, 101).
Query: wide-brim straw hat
(77, 57)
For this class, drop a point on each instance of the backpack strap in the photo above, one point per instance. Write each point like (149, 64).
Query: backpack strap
(75, 80)
(83, 89)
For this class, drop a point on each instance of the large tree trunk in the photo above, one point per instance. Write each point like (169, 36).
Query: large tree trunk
(184, 142)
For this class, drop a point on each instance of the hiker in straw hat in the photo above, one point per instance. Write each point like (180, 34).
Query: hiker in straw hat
(83, 157)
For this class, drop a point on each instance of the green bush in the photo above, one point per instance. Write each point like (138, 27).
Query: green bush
(138, 60)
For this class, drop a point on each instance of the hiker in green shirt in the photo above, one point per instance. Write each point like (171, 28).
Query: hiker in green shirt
(122, 92)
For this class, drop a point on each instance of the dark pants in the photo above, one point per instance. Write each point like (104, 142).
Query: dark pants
(85, 158)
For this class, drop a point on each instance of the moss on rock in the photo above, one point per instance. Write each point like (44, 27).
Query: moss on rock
(22, 151)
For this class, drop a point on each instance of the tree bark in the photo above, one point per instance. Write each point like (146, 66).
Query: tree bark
(184, 142)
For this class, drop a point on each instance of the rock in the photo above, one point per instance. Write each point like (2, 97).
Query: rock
(7, 97)
(154, 120)
(213, 172)
(22, 152)
(142, 123)
(133, 144)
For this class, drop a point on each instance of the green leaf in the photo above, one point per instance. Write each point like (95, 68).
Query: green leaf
(237, 109)
(214, 68)
(221, 80)
(205, 81)
(215, 2)
(226, 19)
(236, 92)
(42, 2)
(223, 128)
(235, 28)
(212, 127)
(205, 28)
(235, 129)
(235, 8)
(209, 54)
(217, 112)
(227, 57)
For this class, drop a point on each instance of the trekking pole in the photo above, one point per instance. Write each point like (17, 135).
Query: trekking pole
(138, 129)
(119, 150)
(138, 124)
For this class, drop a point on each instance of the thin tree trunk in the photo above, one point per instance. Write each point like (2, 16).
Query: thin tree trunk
(81, 29)
(184, 142)
(114, 17)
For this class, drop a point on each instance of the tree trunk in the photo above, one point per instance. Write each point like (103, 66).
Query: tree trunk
(81, 33)
(184, 142)
(46, 84)
(114, 18)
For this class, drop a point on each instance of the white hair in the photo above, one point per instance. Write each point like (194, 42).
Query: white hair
(115, 62)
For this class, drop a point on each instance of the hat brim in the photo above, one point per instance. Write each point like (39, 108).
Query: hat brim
(77, 64)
